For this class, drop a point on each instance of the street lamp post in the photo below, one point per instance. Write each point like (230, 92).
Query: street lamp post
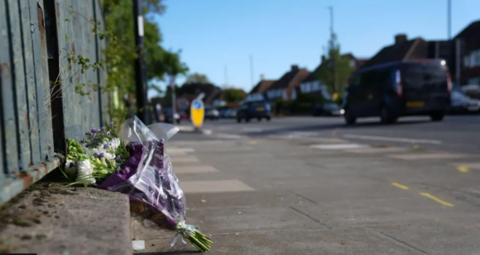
(140, 66)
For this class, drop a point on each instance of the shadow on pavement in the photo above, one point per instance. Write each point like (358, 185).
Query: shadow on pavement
(370, 124)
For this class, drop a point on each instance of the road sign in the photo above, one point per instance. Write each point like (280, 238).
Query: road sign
(197, 113)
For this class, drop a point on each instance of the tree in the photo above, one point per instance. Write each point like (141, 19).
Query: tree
(233, 95)
(120, 52)
(197, 78)
(335, 69)
(155, 88)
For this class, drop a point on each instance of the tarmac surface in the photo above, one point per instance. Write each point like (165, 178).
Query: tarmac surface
(258, 190)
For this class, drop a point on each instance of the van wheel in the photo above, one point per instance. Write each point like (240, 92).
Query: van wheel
(268, 118)
(239, 120)
(437, 116)
(350, 119)
(247, 119)
(259, 119)
(386, 116)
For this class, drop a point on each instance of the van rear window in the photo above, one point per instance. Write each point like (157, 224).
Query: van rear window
(417, 74)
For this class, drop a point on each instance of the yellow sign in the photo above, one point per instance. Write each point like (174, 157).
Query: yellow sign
(197, 113)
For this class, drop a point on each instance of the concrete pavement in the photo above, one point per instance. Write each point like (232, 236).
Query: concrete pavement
(271, 195)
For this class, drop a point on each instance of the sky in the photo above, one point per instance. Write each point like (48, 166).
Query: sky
(219, 38)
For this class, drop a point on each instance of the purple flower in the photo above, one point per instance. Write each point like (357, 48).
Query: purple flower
(94, 135)
(111, 123)
(101, 155)
(108, 132)
(105, 146)
(95, 155)
(102, 128)
(87, 133)
(117, 158)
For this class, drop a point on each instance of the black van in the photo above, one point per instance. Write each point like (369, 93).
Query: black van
(419, 87)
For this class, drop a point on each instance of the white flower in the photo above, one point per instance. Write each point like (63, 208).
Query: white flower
(70, 168)
(85, 171)
(114, 143)
(109, 156)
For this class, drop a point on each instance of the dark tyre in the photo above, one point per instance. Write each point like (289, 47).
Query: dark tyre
(259, 119)
(239, 120)
(268, 118)
(350, 119)
(437, 116)
(386, 115)
(247, 119)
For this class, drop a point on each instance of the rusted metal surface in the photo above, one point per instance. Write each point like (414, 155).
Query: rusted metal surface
(38, 85)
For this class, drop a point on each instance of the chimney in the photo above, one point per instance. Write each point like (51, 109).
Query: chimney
(323, 59)
(400, 38)
(262, 77)
(294, 68)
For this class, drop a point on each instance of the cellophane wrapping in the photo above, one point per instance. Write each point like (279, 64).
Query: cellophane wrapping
(147, 177)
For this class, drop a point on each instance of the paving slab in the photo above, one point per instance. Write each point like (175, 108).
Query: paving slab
(53, 219)
(420, 156)
(214, 186)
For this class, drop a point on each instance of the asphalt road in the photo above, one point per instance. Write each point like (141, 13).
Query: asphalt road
(453, 134)
(275, 188)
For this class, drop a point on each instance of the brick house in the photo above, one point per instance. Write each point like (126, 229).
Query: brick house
(402, 50)
(286, 86)
(312, 83)
(258, 92)
(470, 52)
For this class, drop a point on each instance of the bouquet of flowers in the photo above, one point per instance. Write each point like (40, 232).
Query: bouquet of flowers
(134, 162)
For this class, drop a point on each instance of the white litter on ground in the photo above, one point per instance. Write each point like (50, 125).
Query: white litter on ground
(138, 245)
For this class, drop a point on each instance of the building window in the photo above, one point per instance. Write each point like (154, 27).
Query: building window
(474, 81)
(352, 63)
(466, 61)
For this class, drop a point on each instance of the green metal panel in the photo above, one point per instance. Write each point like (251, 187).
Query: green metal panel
(26, 134)
(40, 60)
(19, 85)
(30, 83)
(8, 95)
(66, 46)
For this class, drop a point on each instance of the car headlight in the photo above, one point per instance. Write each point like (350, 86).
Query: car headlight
(342, 111)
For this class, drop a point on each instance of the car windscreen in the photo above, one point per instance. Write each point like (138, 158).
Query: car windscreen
(259, 104)
(331, 106)
(419, 74)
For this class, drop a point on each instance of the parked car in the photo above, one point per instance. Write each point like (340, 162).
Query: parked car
(169, 116)
(393, 90)
(183, 115)
(463, 104)
(326, 109)
(211, 113)
(230, 113)
(223, 112)
(251, 110)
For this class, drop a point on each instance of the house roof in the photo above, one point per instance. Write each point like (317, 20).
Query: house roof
(262, 86)
(216, 94)
(401, 51)
(313, 75)
(470, 30)
(284, 81)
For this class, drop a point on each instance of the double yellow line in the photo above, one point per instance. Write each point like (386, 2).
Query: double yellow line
(438, 200)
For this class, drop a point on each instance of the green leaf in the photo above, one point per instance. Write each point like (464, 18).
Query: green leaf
(66, 38)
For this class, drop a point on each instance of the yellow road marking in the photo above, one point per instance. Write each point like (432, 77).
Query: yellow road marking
(463, 169)
(252, 142)
(436, 199)
(398, 185)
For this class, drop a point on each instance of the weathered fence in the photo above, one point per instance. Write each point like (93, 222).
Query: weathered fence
(40, 81)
